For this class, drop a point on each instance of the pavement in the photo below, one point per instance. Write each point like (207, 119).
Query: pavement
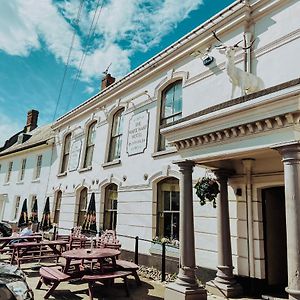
(77, 290)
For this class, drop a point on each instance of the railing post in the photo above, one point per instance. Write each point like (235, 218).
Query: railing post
(54, 233)
(163, 262)
(136, 252)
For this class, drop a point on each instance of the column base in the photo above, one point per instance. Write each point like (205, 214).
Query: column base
(175, 291)
(293, 294)
(223, 289)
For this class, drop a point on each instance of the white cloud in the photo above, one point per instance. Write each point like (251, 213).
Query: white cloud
(124, 27)
(8, 127)
(89, 90)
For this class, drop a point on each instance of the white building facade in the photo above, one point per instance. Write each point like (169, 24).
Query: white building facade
(121, 144)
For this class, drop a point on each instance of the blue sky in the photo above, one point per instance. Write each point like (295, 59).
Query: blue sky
(35, 37)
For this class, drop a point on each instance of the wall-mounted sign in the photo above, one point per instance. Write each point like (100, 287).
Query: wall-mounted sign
(138, 133)
(75, 155)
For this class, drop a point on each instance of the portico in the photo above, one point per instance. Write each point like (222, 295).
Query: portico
(251, 143)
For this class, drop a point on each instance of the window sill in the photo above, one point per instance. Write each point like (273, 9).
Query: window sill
(62, 174)
(156, 248)
(85, 169)
(20, 182)
(164, 152)
(111, 163)
(37, 180)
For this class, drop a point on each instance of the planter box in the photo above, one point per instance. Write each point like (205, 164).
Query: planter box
(156, 248)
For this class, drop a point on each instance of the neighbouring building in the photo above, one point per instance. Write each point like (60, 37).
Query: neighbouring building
(224, 99)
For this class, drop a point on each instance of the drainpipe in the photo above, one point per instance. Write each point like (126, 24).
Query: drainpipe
(248, 166)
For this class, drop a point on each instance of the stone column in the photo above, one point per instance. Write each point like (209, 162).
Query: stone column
(291, 161)
(224, 284)
(186, 287)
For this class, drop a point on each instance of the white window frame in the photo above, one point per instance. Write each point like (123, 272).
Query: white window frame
(38, 167)
(89, 145)
(9, 171)
(16, 207)
(65, 153)
(57, 207)
(22, 169)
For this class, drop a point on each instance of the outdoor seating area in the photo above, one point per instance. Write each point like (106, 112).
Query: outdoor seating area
(90, 260)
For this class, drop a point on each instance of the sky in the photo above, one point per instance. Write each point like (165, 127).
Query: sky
(39, 38)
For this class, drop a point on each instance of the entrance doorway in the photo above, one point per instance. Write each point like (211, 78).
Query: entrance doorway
(275, 246)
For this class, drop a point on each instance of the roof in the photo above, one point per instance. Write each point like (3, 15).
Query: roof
(39, 136)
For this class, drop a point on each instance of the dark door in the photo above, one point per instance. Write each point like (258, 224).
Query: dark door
(275, 238)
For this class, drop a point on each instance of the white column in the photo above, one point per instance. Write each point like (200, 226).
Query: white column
(186, 287)
(291, 161)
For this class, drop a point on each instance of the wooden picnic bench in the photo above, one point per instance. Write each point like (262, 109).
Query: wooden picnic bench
(36, 251)
(91, 279)
(129, 266)
(6, 241)
(52, 276)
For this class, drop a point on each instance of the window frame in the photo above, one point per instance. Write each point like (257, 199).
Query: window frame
(66, 153)
(57, 206)
(9, 171)
(22, 169)
(172, 185)
(161, 142)
(110, 213)
(81, 211)
(16, 207)
(38, 166)
(89, 147)
(116, 135)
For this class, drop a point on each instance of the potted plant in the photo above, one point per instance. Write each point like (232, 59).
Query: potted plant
(207, 189)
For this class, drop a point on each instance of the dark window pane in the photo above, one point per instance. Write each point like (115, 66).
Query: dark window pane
(175, 201)
(175, 226)
(167, 224)
(166, 200)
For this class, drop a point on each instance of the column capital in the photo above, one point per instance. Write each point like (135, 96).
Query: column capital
(185, 165)
(223, 174)
(290, 153)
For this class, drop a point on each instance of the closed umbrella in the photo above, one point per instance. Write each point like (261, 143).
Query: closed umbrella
(23, 220)
(34, 212)
(46, 221)
(89, 223)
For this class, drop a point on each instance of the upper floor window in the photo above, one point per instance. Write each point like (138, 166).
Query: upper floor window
(90, 144)
(116, 136)
(22, 170)
(57, 207)
(66, 153)
(16, 208)
(38, 166)
(9, 170)
(168, 208)
(111, 207)
(171, 108)
(82, 205)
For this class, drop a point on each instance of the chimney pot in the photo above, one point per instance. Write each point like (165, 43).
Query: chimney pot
(32, 118)
(107, 80)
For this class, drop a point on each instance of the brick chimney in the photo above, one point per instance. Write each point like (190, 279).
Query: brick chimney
(32, 118)
(106, 81)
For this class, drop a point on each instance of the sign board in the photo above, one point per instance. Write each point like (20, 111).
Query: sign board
(75, 155)
(138, 133)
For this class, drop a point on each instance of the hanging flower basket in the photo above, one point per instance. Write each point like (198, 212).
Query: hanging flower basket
(207, 189)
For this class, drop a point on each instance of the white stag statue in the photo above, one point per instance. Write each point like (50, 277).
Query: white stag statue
(247, 82)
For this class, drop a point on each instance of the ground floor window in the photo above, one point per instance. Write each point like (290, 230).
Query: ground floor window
(111, 207)
(82, 205)
(57, 207)
(168, 208)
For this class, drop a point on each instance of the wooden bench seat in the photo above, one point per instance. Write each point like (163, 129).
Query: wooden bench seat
(51, 275)
(91, 279)
(129, 266)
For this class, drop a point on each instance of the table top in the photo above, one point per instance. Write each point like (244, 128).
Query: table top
(24, 244)
(29, 237)
(95, 253)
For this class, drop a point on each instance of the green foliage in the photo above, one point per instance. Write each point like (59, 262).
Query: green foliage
(207, 189)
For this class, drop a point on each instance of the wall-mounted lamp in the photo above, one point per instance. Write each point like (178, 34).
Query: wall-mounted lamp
(205, 57)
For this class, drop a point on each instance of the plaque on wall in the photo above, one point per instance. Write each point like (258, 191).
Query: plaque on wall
(138, 133)
(75, 155)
